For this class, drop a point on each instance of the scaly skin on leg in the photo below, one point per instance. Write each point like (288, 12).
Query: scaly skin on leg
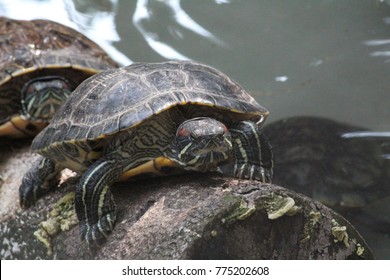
(94, 203)
(252, 152)
(41, 178)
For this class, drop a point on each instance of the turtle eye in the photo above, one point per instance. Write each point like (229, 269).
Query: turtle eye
(30, 89)
(183, 132)
(225, 129)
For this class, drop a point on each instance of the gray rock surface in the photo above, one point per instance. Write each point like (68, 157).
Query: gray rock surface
(191, 216)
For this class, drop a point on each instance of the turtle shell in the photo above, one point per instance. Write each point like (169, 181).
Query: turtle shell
(36, 48)
(123, 98)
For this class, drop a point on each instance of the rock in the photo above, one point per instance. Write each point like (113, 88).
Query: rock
(15, 159)
(316, 157)
(192, 216)
(346, 167)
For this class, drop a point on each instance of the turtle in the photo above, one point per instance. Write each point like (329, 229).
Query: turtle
(41, 63)
(147, 118)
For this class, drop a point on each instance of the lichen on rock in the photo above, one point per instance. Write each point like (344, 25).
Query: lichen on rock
(61, 218)
(340, 233)
(277, 206)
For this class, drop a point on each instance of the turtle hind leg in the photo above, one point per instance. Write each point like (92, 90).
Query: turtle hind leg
(252, 153)
(40, 179)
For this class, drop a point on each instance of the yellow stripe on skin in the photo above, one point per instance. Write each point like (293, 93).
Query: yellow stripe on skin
(101, 201)
(152, 166)
(16, 128)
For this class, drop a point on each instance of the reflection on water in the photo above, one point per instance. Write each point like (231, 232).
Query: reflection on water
(324, 59)
(95, 21)
(141, 14)
(382, 137)
(145, 14)
(384, 44)
(385, 52)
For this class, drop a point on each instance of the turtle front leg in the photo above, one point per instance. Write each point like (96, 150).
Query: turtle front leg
(94, 203)
(41, 178)
(252, 153)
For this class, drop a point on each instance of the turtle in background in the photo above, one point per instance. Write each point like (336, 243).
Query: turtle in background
(346, 167)
(147, 118)
(328, 161)
(41, 63)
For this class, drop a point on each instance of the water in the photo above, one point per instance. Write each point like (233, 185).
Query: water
(324, 58)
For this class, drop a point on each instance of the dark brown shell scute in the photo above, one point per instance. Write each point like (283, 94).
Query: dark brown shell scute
(120, 98)
(28, 46)
(38, 48)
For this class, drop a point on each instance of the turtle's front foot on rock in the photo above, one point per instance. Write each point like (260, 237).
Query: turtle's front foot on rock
(252, 153)
(252, 172)
(40, 179)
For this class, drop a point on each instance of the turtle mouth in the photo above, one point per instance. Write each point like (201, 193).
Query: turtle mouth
(207, 154)
(215, 147)
(206, 162)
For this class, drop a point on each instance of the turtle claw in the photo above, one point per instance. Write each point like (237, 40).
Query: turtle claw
(30, 191)
(27, 196)
(41, 178)
(96, 234)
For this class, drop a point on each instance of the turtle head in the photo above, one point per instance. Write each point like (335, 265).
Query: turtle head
(202, 143)
(41, 97)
